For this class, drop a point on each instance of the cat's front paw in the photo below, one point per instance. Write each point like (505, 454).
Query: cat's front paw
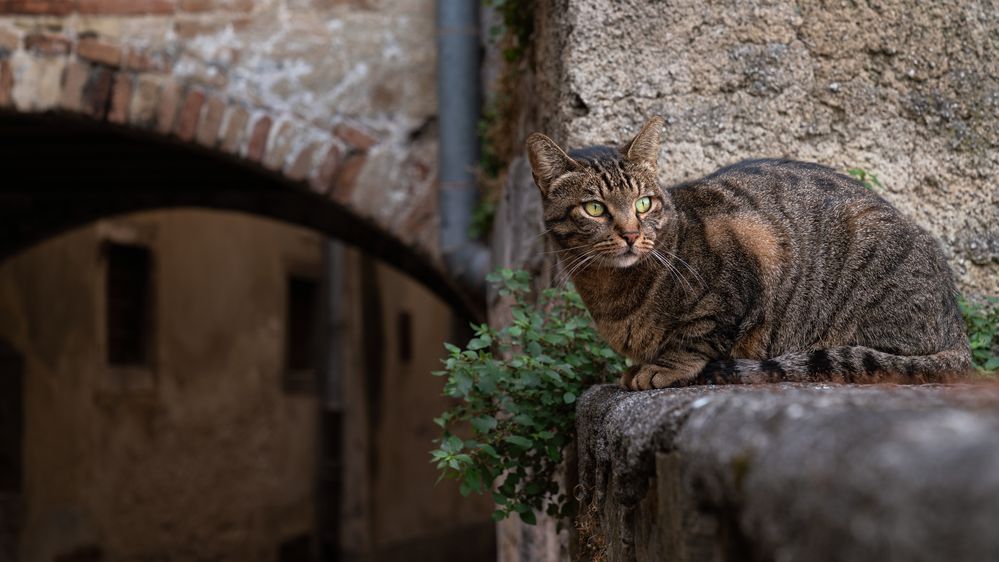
(645, 377)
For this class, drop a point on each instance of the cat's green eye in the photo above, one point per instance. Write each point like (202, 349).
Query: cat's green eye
(594, 208)
(643, 204)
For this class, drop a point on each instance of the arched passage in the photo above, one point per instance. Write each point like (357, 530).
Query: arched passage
(62, 170)
(66, 171)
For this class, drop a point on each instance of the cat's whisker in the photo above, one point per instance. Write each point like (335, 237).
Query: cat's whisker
(572, 268)
(557, 250)
(674, 272)
(665, 265)
(687, 265)
(578, 268)
(690, 288)
(545, 231)
(571, 264)
(587, 264)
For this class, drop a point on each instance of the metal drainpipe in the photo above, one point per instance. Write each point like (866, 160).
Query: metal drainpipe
(458, 53)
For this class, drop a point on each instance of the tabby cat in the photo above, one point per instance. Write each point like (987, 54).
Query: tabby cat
(764, 271)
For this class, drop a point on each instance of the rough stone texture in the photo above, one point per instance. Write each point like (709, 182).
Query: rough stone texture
(905, 89)
(795, 472)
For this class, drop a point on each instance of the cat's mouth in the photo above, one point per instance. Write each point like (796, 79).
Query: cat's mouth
(626, 258)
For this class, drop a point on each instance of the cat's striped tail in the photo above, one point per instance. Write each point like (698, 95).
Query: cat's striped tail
(843, 365)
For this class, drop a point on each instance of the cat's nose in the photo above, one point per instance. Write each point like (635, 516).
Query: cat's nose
(630, 236)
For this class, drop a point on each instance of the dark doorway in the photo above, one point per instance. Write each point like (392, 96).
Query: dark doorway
(11, 437)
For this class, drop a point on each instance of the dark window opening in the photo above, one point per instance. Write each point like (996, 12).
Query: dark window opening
(296, 549)
(89, 553)
(404, 334)
(11, 420)
(302, 334)
(129, 300)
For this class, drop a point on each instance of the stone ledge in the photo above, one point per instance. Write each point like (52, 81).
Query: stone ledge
(793, 472)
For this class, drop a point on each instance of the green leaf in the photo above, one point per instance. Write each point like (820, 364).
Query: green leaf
(488, 449)
(518, 401)
(519, 441)
(452, 444)
(528, 517)
(484, 424)
(499, 515)
(523, 419)
(478, 343)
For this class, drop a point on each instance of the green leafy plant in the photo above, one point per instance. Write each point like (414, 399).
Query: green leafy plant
(869, 180)
(517, 17)
(499, 137)
(515, 390)
(483, 215)
(982, 323)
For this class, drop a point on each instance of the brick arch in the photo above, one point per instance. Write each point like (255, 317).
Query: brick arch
(124, 85)
(137, 92)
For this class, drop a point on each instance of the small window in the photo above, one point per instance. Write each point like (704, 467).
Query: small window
(129, 302)
(302, 333)
(404, 334)
(11, 430)
(296, 549)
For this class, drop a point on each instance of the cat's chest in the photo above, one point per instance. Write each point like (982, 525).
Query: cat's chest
(628, 327)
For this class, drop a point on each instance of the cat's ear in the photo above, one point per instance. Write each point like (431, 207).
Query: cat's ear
(548, 161)
(644, 148)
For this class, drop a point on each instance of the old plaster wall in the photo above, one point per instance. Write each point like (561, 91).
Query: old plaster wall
(904, 89)
(394, 509)
(205, 455)
(199, 456)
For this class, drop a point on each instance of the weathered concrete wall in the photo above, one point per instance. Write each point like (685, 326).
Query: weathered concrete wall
(907, 90)
(793, 472)
(202, 455)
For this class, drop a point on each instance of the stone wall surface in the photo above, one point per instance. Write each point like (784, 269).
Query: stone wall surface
(336, 95)
(793, 472)
(904, 89)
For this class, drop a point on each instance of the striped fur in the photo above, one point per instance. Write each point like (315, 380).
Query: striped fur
(764, 271)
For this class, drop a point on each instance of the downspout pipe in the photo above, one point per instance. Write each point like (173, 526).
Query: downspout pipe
(458, 100)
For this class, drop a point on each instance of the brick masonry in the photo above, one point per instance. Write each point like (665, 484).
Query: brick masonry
(286, 88)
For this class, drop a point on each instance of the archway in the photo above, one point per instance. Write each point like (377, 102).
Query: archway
(62, 170)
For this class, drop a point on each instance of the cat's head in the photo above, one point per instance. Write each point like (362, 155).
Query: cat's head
(602, 204)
